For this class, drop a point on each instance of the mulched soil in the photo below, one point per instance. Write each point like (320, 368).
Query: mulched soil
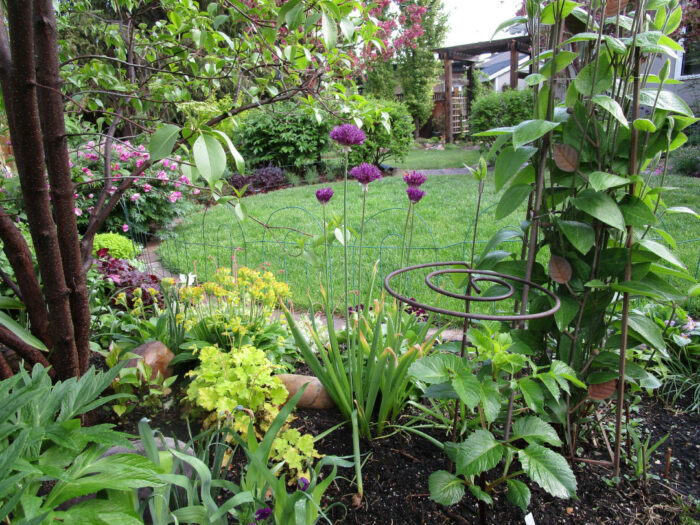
(397, 469)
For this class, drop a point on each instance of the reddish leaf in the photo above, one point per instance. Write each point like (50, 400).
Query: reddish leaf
(565, 157)
(602, 391)
(560, 269)
(611, 7)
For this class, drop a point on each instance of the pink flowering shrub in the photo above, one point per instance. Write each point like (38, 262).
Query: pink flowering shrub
(156, 198)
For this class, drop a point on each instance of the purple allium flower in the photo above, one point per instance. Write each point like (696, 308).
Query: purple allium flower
(303, 484)
(348, 135)
(324, 195)
(365, 173)
(414, 194)
(263, 514)
(414, 179)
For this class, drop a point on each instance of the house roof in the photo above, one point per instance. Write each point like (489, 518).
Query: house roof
(499, 63)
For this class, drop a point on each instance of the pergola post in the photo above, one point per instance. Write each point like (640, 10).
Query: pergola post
(449, 138)
(514, 55)
(470, 88)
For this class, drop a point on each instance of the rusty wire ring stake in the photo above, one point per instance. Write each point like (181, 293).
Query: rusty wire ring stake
(482, 276)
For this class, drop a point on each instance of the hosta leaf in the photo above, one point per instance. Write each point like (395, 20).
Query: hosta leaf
(549, 470)
(518, 494)
(580, 234)
(445, 488)
(479, 453)
(533, 429)
(601, 206)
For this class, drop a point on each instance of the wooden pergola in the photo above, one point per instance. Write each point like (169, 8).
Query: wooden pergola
(468, 54)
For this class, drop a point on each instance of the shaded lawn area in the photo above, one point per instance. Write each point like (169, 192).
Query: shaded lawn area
(442, 232)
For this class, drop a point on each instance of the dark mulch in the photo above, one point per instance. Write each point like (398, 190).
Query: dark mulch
(397, 469)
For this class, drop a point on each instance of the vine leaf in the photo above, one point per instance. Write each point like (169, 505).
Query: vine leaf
(559, 269)
(602, 391)
(565, 157)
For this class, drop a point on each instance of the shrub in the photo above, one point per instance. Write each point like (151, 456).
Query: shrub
(137, 289)
(286, 137)
(499, 109)
(262, 180)
(686, 161)
(119, 246)
(380, 143)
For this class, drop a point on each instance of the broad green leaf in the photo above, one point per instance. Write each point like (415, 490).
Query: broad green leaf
(563, 373)
(518, 494)
(285, 9)
(551, 384)
(615, 44)
(557, 10)
(531, 130)
(603, 77)
(445, 488)
(507, 234)
(532, 394)
(480, 495)
(466, 385)
(209, 157)
(510, 22)
(674, 20)
(511, 199)
(566, 313)
(647, 330)
(495, 132)
(601, 206)
(611, 106)
(661, 250)
(479, 453)
(509, 162)
(490, 400)
(10, 303)
(549, 470)
(561, 61)
(667, 100)
(601, 181)
(162, 141)
(534, 79)
(295, 17)
(644, 124)
(650, 286)
(435, 368)
(329, 31)
(534, 430)
(347, 27)
(683, 209)
(237, 157)
(21, 332)
(580, 234)
(636, 212)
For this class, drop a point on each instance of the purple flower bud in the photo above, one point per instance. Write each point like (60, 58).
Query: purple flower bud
(414, 179)
(348, 135)
(324, 195)
(414, 194)
(365, 173)
(303, 484)
(263, 514)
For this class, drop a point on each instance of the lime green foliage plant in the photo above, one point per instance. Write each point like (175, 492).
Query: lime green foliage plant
(239, 388)
(119, 246)
(483, 385)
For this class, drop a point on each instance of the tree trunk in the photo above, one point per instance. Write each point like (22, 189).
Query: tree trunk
(25, 132)
(56, 148)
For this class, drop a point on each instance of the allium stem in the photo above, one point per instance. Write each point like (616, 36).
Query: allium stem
(325, 250)
(359, 257)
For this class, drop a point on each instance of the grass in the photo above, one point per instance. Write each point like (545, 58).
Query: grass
(453, 156)
(443, 231)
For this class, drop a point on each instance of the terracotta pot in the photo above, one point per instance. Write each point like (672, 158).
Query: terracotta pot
(315, 395)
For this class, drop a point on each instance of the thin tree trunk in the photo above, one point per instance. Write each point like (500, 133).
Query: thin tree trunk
(56, 149)
(5, 370)
(20, 258)
(25, 132)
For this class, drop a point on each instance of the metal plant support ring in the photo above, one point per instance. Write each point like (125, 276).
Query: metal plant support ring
(479, 276)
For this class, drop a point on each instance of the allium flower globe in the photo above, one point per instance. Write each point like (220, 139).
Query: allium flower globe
(414, 179)
(348, 135)
(414, 194)
(365, 173)
(324, 195)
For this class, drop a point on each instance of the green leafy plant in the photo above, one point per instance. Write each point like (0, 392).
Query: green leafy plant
(484, 385)
(43, 441)
(496, 109)
(238, 387)
(685, 161)
(119, 246)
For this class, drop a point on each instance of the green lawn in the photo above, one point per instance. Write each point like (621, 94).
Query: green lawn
(453, 156)
(442, 231)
